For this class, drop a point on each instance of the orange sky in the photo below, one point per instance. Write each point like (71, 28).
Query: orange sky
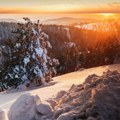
(59, 6)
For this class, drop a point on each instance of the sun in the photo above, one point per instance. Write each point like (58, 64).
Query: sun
(107, 14)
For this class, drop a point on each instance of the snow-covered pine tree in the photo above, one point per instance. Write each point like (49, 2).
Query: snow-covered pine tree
(28, 57)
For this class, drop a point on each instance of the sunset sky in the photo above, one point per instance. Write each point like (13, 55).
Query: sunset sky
(60, 6)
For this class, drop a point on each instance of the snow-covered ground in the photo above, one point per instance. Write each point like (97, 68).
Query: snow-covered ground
(63, 82)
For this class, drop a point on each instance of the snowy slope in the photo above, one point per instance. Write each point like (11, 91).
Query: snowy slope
(63, 82)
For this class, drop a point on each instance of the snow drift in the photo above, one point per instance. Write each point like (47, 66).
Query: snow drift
(96, 99)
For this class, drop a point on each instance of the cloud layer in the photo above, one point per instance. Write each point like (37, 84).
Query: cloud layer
(57, 6)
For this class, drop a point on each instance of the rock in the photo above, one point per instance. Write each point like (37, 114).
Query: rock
(82, 115)
(57, 112)
(81, 69)
(2, 115)
(40, 117)
(90, 78)
(60, 94)
(67, 108)
(72, 87)
(100, 118)
(53, 103)
(89, 112)
(99, 100)
(44, 118)
(45, 109)
(24, 108)
(91, 118)
(22, 87)
(67, 116)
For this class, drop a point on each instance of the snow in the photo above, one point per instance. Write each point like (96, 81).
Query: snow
(62, 83)
(56, 61)
(24, 77)
(44, 35)
(39, 51)
(45, 109)
(44, 57)
(23, 108)
(38, 72)
(34, 31)
(44, 67)
(33, 56)
(96, 99)
(68, 33)
(16, 69)
(106, 26)
(66, 116)
(70, 44)
(26, 60)
(2, 115)
(17, 45)
(49, 45)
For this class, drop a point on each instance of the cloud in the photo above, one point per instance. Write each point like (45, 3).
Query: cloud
(114, 4)
(64, 8)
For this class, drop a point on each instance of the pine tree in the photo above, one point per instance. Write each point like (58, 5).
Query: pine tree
(28, 57)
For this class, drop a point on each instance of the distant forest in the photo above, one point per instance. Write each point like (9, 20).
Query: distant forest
(75, 48)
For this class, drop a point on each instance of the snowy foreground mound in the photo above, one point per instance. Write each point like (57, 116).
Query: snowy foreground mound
(98, 98)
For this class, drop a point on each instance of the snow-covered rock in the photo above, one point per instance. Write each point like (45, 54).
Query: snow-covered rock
(24, 108)
(30, 107)
(45, 109)
(52, 102)
(60, 94)
(58, 112)
(96, 99)
(2, 115)
(66, 116)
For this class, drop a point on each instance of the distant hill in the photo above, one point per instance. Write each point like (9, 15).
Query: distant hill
(68, 21)
(8, 20)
